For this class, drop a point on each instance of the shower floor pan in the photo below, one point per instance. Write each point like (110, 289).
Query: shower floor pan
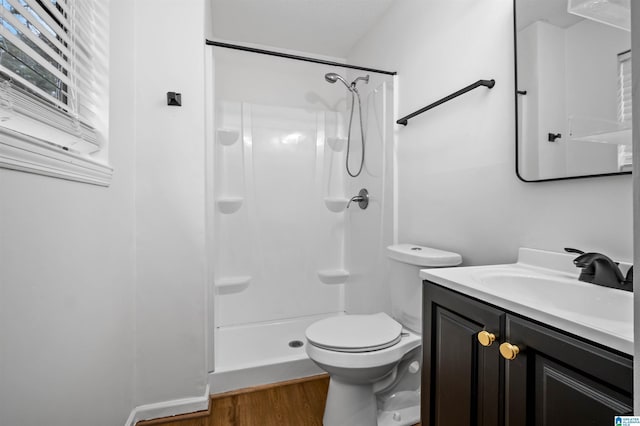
(261, 353)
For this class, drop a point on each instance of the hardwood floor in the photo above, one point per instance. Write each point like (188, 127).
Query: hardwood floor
(294, 403)
(299, 403)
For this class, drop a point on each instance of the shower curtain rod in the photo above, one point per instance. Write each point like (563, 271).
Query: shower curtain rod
(296, 57)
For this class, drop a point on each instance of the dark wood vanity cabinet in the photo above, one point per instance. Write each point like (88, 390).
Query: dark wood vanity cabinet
(461, 380)
(555, 379)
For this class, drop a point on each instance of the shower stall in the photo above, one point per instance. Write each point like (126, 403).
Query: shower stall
(285, 250)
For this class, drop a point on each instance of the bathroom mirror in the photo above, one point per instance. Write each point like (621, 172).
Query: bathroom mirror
(573, 88)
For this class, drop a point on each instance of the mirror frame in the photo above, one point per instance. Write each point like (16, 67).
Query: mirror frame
(515, 98)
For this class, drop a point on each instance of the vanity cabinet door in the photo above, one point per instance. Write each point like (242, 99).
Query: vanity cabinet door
(557, 380)
(460, 377)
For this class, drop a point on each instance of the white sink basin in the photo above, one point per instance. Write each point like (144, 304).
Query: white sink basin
(544, 286)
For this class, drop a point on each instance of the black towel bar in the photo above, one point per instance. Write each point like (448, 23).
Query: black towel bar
(487, 83)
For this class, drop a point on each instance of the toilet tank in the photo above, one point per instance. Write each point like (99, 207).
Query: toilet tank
(405, 283)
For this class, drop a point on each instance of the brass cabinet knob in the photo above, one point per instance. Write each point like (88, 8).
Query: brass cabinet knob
(485, 338)
(509, 351)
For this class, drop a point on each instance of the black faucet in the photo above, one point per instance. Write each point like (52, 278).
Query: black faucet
(601, 270)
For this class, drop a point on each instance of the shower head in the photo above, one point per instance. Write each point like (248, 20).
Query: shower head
(332, 77)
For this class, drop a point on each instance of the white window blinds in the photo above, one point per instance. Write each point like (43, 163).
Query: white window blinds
(53, 70)
(624, 87)
(625, 154)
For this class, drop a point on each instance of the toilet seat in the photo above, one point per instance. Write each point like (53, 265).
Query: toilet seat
(355, 333)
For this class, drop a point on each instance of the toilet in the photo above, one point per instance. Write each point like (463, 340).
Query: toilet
(374, 360)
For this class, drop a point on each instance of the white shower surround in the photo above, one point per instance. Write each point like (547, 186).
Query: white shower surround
(273, 231)
(285, 251)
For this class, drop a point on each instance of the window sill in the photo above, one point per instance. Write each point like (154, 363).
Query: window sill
(27, 154)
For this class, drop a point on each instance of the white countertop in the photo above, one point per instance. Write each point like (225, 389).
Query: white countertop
(543, 286)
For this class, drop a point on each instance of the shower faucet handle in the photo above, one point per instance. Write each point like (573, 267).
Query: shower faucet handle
(362, 199)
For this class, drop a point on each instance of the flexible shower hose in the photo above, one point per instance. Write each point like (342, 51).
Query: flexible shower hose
(355, 93)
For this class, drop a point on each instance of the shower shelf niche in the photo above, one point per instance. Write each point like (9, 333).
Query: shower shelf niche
(336, 144)
(333, 276)
(336, 204)
(229, 285)
(228, 205)
(227, 136)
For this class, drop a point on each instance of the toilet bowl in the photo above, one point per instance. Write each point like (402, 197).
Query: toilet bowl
(373, 360)
(361, 353)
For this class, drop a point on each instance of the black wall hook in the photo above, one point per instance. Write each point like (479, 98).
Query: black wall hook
(553, 136)
(174, 99)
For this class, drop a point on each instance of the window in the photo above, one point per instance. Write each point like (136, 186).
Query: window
(624, 87)
(625, 152)
(53, 91)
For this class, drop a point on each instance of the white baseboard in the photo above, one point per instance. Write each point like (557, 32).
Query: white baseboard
(169, 408)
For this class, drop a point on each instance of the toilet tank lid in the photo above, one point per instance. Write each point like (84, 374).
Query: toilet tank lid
(423, 256)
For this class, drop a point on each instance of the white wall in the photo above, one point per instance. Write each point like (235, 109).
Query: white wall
(170, 201)
(635, 55)
(528, 111)
(457, 187)
(102, 290)
(67, 279)
(550, 61)
(268, 80)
